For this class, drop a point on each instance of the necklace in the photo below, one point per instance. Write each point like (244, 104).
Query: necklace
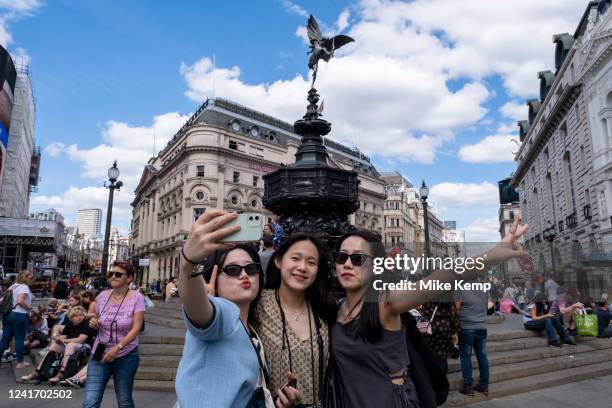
(297, 315)
(349, 316)
(119, 296)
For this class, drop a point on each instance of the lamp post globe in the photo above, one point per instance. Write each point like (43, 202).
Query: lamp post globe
(424, 191)
(113, 172)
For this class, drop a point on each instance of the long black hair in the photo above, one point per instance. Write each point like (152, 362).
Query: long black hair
(367, 322)
(319, 295)
(218, 258)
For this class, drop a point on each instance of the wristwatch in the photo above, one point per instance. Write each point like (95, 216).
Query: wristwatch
(120, 346)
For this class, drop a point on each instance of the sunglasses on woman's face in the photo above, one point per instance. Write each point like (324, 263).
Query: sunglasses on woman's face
(356, 259)
(116, 274)
(234, 271)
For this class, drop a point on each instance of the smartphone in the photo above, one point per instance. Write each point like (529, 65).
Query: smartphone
(291, 383)
(251, 226)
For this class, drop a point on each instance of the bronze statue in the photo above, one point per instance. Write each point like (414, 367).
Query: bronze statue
(322, 47)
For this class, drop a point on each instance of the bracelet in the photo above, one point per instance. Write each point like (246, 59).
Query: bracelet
(187, 259)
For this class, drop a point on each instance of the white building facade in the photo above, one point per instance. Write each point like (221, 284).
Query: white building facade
(564, 164)
(22, 159)
(89, 222)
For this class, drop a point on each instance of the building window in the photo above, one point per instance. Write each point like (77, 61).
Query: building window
(254, 203)
(233, 145)
(255, 181)
(200, 195)
(236, 177)
(197, 212)
(604, 204)
(582, 157)
(200, 171)
(234, 199)
(546, 157)
(257, 151)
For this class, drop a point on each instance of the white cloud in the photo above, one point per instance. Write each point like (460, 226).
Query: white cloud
(131, 146)
(483, 230)
(54, 149)
(343, 20)
(514, 110)
(76, 198)
(293, 8)
(13, 10)
(447, 195)
(491, 149)
(507, 128)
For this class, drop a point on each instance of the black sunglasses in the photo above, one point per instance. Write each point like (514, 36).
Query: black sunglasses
(356, 259)
(251, 269)
(116, 274)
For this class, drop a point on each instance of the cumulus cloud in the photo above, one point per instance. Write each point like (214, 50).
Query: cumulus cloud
(76, 198)
(463, 194)
(130, 145)
(491, 149)
(514, 110)
(483, 230)
(54, 149)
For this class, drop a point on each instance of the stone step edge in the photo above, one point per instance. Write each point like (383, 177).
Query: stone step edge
(500, 358)
(531, 383)
(509, 372)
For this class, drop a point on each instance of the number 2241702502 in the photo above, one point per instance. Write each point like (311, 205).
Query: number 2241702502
(35, 394)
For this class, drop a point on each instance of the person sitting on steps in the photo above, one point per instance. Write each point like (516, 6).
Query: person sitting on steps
(535, 318)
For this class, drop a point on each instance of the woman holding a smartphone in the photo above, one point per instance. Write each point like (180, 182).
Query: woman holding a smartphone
(294, 313)
(118, 317)
(368, 341)
(223, 363)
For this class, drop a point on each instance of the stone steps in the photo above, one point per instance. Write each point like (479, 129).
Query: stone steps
(533, 382)
(165, 321)
(536, 353)
(504, 372)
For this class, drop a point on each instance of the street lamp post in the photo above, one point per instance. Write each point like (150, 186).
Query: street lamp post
(113, 175)
(424, 191)
(550, 234)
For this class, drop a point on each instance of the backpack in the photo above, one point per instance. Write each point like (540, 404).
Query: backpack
(428, 377)
(76, 362)
(50, 365)
(6, 302)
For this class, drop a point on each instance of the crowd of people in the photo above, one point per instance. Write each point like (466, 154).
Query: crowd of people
(83, 340)
(266, 329)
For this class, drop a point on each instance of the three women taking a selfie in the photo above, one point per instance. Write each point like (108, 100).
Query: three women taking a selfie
(250, 346)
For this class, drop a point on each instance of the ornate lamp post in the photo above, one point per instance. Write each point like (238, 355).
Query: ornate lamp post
(424, 192)
(113, 175)
(550, 234)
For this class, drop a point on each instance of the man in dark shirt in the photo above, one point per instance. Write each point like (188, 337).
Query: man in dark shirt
(603, 320)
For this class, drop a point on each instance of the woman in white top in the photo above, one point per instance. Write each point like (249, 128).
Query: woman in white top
(15, 323)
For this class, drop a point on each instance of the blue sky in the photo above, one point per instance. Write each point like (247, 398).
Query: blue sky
(430, 88)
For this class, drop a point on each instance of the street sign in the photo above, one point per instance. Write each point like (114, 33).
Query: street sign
(143, 262)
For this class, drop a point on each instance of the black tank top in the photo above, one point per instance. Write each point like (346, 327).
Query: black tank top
(368, 369)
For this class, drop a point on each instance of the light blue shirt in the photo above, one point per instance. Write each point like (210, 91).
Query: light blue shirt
(219, 367)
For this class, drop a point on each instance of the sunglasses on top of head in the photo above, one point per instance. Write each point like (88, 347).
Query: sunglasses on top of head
(116, 274)
(234, 271)
(356, 259)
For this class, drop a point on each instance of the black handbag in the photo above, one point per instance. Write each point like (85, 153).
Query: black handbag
(332, 395)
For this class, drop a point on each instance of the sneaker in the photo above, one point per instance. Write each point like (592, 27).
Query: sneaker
(483, 389)
(7, 357)
(554, 344)
(30, 378)
(570, 342)
(467, 390)
(73, 383)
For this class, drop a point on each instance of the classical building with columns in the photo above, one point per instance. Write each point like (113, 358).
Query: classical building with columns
(217, 160)
(564, 163)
